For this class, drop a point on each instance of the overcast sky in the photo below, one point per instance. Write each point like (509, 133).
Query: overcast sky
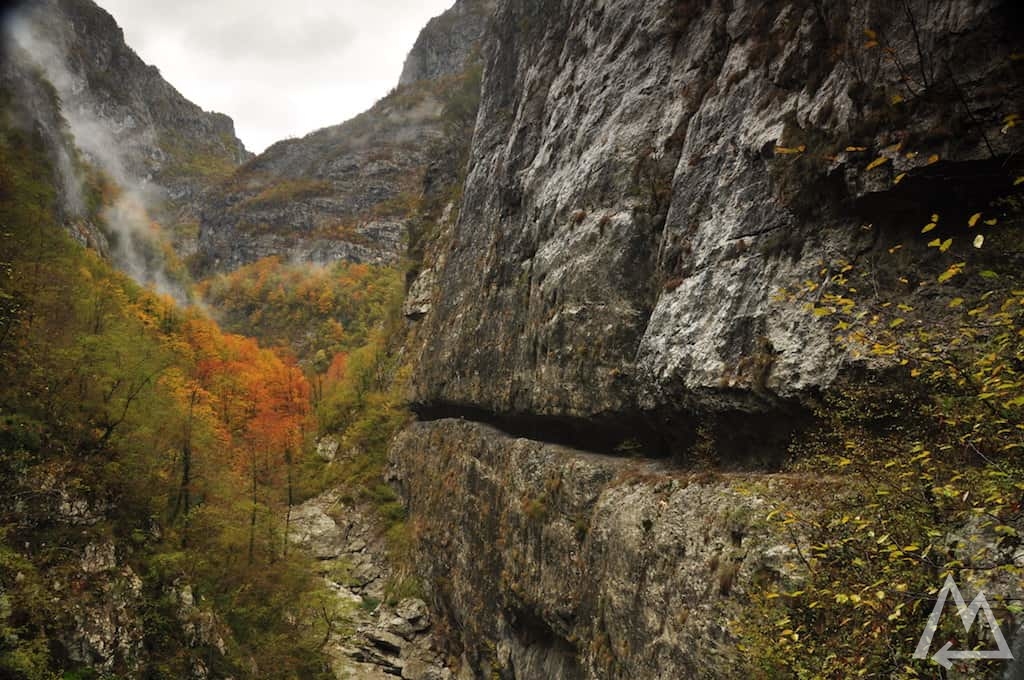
(278, 68)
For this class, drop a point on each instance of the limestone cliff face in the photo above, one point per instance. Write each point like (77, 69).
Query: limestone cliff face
(644, 178)
(447, 44)
(627, 219)
(554, 563)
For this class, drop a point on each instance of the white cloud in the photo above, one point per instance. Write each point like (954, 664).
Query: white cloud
(278, 69)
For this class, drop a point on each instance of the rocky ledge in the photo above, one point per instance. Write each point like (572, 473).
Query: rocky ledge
(550, 562)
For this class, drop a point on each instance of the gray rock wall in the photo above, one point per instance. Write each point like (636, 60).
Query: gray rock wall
(554, 563)
(627, 221)
(644, 179)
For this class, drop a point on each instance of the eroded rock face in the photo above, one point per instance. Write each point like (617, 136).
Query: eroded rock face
(627, 219)
(573, 565)
(644, 179)
(108, 629)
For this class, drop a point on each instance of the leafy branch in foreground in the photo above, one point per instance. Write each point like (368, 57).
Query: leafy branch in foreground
(926, 434)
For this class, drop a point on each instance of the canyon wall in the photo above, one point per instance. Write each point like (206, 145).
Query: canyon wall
(603, 306)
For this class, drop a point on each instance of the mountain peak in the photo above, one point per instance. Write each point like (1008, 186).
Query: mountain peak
(447, 42)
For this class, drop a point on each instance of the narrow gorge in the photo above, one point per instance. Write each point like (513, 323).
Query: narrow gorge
(676, 339)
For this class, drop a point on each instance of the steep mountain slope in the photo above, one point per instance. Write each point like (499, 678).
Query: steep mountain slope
(29, 102)
(122, 112)
(150, 151)
(348, 192)
(340, 193)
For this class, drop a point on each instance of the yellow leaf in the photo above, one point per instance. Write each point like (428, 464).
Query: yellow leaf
(897, 99)
(790, 150)
(934, 158)
(928, 227)
(974, 219)
(935, 217)
(951, 272)
(870, 35)
(946, 245)
(935, 244)
(899, 178)
(956, 302)
(881, 160)
(979, 240)
(856, 148)
(992, 222)
(1018, 181)
(896, 323)
(871, 43)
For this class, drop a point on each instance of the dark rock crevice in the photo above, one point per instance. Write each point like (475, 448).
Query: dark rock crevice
(730, 440)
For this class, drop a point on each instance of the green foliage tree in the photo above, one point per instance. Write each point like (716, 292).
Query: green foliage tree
(308, 310)
(120, 406)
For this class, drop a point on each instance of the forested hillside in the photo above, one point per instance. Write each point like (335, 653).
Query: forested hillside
(164, 475)
(142, 437)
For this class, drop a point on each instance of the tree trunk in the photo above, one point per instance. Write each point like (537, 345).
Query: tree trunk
(252, 516)
(291, 499)
(183, 502)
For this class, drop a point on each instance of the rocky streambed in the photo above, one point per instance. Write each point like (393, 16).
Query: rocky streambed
(378, 638)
